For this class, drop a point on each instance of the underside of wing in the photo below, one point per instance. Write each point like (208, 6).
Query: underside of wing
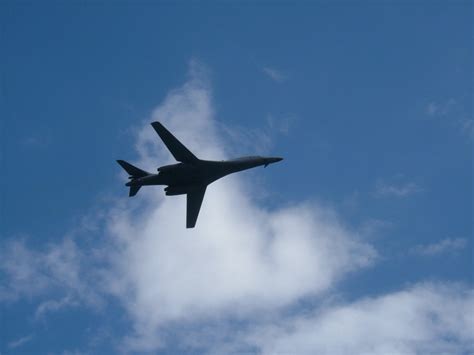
(179, 151)
(194, 202)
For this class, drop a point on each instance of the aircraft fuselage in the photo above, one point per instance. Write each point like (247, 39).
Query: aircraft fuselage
(182, 175)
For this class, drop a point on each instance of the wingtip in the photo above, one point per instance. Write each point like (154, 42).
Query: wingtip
(158, 127)
(122, 163)
(190, 224)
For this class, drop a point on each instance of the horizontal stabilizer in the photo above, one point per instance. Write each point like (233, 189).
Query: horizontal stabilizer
(133, 171)
(133, 190)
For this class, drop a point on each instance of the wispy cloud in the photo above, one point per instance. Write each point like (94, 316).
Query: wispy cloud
(37, 139)
(453, 111)
(396, 189)
(424, 319)
(259, 140)
(441, 108)
(280, 125)
(54, 306)
(29, 273)
(242, 259)
(448, 245)
(19, 342)
(275, 74)
(74, 352)
(467, 127)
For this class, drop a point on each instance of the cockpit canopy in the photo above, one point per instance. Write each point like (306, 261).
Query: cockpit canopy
(252, 157)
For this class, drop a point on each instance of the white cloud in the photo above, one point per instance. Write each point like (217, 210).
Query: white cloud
(432, 108)
(18, 266)
(441, 108)
(54, 305)
(37, 141)
(454, 111)
(19, 342)
(257, 140)
(274, 74)
(243, 278)
(31, 273)
(245, 140)
(74, 352)
(425, 319)
(396, 189)
(448, 245)
(467, 127)
(240, 260)
(280, 125)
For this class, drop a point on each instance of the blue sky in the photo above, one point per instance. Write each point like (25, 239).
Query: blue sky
(369, 213)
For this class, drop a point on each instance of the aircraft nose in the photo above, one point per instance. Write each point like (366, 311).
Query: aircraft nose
(273, 160)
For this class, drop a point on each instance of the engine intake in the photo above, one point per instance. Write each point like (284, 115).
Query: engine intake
(177, 190)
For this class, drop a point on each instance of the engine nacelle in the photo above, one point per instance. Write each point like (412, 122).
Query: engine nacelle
(176, 190)
(168, 167)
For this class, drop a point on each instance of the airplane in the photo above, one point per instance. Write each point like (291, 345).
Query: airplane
(191, 175)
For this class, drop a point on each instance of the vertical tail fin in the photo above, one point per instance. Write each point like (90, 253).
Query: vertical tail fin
(134, 173)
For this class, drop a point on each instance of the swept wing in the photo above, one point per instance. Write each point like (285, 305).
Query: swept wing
(194, 201)
(179, 151)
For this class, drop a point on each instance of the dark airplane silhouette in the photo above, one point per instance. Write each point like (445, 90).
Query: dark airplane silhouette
(191, 176)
